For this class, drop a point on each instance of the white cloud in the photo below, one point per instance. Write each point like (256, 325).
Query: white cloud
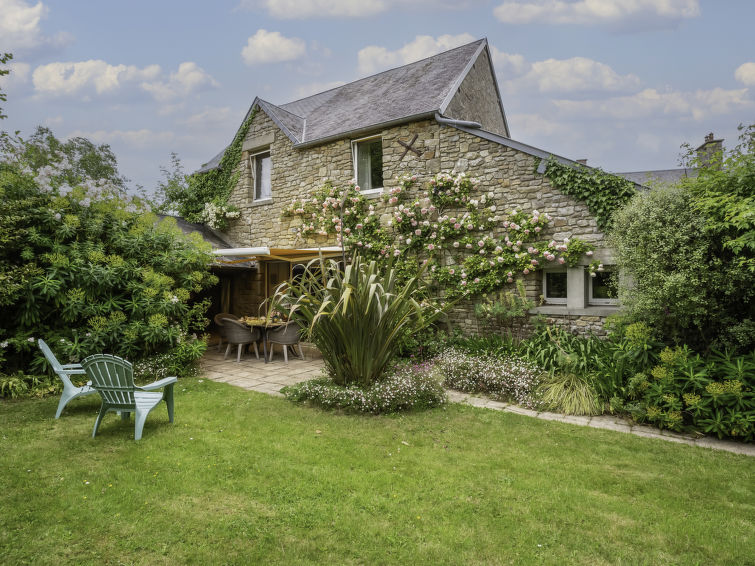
(646, 13)
(135, 138)
(651, 103)
(189, 78)
(301, 9)
(507, 64)
(374, 58)
(207, 119)
(20, 27)
(745, 74)
(74, 77)
(577, 74)
(272, 47)
(83, 77)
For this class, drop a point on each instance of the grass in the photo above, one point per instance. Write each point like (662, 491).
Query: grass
(244, 478)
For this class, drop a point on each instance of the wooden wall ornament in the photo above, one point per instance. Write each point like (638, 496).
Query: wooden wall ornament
(409, 147)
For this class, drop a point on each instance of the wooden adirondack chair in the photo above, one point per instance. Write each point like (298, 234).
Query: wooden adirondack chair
(113, 378)
(70, 391)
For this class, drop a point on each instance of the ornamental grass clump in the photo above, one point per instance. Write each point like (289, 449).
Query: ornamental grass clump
(357, 316)
(508, 378)
(403, 388)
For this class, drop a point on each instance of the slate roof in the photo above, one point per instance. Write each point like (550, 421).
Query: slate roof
(658, 177)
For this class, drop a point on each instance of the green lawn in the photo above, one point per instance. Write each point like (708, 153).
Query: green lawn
(244, 478)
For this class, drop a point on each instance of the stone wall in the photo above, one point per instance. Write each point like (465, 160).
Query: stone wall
(477, 98)
(508, 173)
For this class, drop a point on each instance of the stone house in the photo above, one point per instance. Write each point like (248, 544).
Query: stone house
(440, 114)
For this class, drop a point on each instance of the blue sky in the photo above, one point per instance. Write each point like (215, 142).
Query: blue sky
(622, 83)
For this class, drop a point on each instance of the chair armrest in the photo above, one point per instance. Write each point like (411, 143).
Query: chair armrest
(72, 366)
(73, 371)
(158, 384)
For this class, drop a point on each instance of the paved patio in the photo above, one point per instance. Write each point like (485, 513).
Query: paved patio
(256, 375)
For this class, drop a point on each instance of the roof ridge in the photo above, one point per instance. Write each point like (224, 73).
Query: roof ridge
(482, 40)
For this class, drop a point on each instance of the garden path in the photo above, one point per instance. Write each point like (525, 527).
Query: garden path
(255, 375)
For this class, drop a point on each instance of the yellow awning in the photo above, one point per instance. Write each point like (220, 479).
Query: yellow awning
(242, 255)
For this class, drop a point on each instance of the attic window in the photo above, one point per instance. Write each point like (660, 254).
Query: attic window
(368, 163)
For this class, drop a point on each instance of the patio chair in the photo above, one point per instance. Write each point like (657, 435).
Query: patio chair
(70, 391)
(218, 318)
(239, 334)
(287, 336)
(113, 378)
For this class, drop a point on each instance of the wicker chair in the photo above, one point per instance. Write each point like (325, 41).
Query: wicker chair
(286, 335)
(219, 323)
(240, 335)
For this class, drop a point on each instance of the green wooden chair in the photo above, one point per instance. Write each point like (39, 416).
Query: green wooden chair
(113, 378)
(70, 391)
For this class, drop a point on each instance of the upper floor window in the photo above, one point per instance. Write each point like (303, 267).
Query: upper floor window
(368, 163)
(262, 165)
(555, 286)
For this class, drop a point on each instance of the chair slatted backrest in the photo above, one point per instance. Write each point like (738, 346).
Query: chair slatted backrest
(56, 365)
(113, 377)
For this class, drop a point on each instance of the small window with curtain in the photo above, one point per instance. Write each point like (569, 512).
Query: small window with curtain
(261, 166)
(368, 163)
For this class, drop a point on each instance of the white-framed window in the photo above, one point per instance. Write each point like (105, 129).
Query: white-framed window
(261, 166)
(555, 284)
(368, 163)
(602, 287)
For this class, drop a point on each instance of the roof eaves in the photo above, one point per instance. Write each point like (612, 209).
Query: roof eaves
(365, 130)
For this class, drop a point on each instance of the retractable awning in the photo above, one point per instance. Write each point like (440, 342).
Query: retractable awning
(240, 255)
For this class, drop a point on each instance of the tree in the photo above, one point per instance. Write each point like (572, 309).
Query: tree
(85, 266)
(4, 58)
(690, 253)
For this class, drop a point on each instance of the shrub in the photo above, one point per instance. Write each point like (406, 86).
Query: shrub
(684, 391)
(509, 378)
(355, 317)
(85, 266)
(405, 388)
(690, 254)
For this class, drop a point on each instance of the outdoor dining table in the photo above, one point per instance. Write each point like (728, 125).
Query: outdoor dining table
(263, 325)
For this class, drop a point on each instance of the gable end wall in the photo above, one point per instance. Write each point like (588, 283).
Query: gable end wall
(477, 99)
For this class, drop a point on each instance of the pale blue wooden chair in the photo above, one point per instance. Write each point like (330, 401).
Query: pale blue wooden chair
(70, 391)
(113, 378)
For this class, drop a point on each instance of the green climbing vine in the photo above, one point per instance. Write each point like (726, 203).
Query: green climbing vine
(602, 192)
(203, 197)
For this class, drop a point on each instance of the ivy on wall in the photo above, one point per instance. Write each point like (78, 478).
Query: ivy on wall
(602, 192)
(468, 245)
(204, 196)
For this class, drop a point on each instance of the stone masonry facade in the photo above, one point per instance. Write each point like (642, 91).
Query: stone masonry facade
(510, 174)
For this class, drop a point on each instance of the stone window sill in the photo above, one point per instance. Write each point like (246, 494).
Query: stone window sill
(563, 310)
(262, 202)
(372, 194)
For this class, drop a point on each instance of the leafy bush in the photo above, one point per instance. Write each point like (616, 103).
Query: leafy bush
(84, 266)
(690, 253)
(355, 317)
(510, 378)
(405, 388)
(688, 392)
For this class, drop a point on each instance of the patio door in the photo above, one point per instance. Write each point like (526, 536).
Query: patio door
(277, 273)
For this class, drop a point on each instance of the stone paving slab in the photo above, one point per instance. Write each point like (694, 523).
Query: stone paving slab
(255, 375)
